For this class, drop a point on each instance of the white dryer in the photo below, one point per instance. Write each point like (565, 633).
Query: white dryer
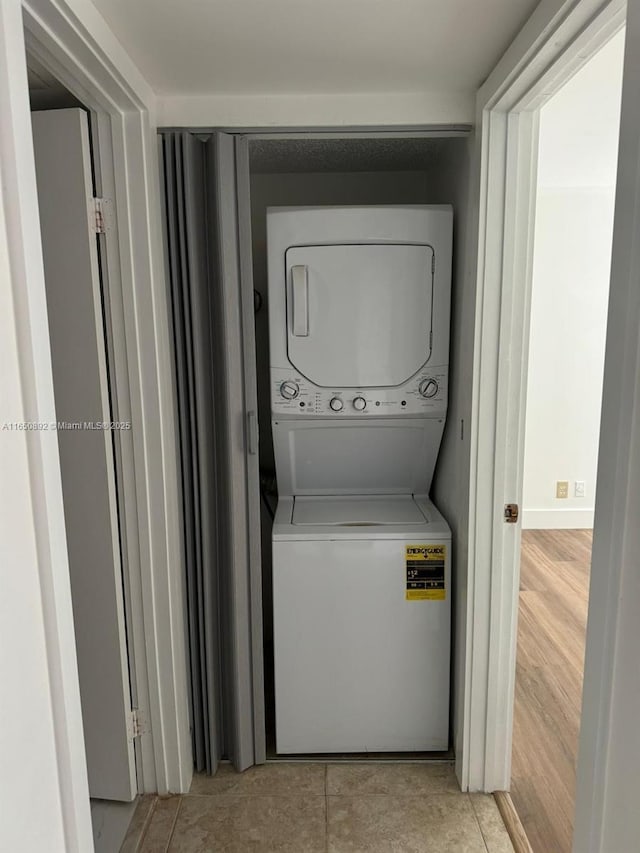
(359, 337)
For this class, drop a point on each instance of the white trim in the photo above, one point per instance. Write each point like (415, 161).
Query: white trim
(557, 40)
(514, 297)
(114, 305)
(81, 39)
(557, 519)
(315, 110)
(37, 516)
(88, 59)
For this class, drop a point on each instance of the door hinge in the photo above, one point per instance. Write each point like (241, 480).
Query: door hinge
(511, 513)
(137, 724)
(98, 216)
(102, 215)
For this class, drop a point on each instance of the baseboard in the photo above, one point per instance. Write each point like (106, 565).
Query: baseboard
(512, 822)
(557, 519)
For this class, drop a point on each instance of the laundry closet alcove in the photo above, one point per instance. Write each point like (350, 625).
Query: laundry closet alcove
(218, 186)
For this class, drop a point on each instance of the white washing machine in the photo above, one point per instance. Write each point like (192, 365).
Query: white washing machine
(361, 590)
(359, 337)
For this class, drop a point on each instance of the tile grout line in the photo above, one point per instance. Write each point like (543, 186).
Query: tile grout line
(173, 825)
(146, 825)
(475, 814)
(326, 808)
(284, 794)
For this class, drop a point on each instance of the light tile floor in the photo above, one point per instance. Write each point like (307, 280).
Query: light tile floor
(340, 808)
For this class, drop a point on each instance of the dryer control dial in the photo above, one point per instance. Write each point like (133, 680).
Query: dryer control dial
(428, 388)
(359, 404)
(336, 404)
(289, 390)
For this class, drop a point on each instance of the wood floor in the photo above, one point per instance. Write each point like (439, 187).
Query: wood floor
(554, 589)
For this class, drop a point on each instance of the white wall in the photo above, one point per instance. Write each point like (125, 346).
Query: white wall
(450, 490)
(315, 110)
(572, 253)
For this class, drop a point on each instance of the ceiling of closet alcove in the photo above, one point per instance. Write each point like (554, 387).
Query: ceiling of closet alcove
(314, 46)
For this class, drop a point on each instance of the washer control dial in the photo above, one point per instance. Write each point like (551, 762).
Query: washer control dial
(359, 404)
(428, 388)
(336, 404)
(289, 390)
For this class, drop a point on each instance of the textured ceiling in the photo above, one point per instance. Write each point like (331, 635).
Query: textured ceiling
(314, 46)
(346, 155)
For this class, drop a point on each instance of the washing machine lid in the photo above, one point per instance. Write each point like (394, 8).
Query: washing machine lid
(370, 511)
(359, 315)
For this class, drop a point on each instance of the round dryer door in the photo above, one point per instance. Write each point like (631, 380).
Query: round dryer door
(359, 316)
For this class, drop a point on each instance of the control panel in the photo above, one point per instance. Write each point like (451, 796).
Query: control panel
(292, 395)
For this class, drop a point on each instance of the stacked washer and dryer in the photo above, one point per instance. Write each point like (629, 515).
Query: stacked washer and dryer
(359, 301)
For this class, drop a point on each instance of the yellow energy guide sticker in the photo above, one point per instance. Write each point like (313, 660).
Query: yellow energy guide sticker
(425, 572)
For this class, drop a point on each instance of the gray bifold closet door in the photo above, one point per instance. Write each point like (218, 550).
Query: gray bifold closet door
(207, 234)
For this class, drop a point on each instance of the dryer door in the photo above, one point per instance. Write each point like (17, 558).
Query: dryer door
(359, 316)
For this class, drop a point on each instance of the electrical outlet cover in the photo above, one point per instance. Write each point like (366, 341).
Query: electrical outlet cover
(562, 489)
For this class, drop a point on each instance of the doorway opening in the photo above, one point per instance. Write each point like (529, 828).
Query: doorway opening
(575, 194)
(336, 172)
(73, 222)
(218, 186)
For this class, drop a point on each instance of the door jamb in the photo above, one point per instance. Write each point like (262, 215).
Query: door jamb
(123, 107)
(34, 481)
(507, 108)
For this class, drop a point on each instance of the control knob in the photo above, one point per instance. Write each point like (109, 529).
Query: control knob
(289, 390)
(359, 404)
(336, 404)
(428, 388)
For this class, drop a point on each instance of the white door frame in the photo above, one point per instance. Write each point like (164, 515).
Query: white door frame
(558, 39)
(41, 672)
(73, 41)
